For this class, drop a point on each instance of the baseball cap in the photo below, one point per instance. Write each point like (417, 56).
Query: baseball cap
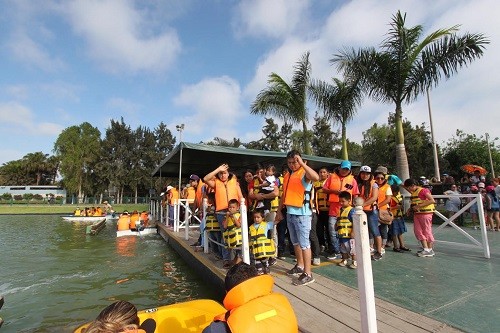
(480, 185)
(345, 165)
(169, 188)
(194, 177)
(365, 168)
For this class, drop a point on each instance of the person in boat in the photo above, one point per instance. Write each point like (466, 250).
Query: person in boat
(98, 211)
(134, 220)
(108, 209)
(144, 219)
(77, 212)
(120, 317)
(251, 304)
(123, 221)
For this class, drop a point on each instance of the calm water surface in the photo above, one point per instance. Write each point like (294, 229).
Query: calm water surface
(55, 277)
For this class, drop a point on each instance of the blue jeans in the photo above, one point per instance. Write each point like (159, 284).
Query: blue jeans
(332, 221)
(372, 219)
(300, 228)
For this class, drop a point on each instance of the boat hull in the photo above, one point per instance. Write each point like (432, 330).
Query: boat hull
(90, 219)
(146, 231)
(191, 316)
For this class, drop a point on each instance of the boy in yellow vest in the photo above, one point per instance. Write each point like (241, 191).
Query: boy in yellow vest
(345, 231)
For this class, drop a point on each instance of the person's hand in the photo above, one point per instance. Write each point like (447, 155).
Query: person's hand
(223, 167)
(299, 160)
(279, 217)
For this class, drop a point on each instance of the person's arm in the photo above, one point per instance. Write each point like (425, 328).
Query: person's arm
(373, 198)
(210, 178)
(237, 221)
(311, 175)
(270, 195)
(327, 189)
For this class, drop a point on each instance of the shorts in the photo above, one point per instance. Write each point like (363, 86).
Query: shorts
(372, 219)
(493, 210)
(398, 226)
(299, 227)
(346, 246)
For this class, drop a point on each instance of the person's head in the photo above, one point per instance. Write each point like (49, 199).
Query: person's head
(481, 186)
(117, 317)
(490, 189)
(239, 273)
(248, 176)
(223, 175)
(345, 199)
(323, 173)
(292, 161)
(211, 198)
(270, 170)
(410, 185)
(495, 181)
(453, 187)
(233, 206)
(258, 215)
(395, 189)
(260, 171)
(344, 168)
(193, 180)
(380, 175)
(284, 169)
(365, 173)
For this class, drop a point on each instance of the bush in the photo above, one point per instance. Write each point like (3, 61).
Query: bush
(38, 197)
(28, 196)
(6, 196)
(18, 197)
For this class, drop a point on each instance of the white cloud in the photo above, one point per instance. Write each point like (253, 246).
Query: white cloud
(17, 91)
(118, 37)
(215, 105)
(274, 19)
(16, 118)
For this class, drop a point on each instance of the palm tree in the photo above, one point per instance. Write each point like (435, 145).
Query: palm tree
(338, 102)
(406, 66)
(287, 101)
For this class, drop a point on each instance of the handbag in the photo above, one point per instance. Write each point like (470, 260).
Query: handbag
(385, 216)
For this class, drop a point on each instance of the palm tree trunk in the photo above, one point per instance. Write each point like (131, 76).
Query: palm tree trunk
(344, 153)
(401, 156)
(305, 142)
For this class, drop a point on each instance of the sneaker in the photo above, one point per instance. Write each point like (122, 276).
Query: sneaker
(424, 253)
(353, 265)
(372, 250)
(382, 251)
(272, 261)
(343, 263)
(405, 249)
(397, 249)
(296, 270)
(267, 270)
(304, 279)
(260, 271)
(376, 256)
(316, 261)
(281, 256)
(334, 256)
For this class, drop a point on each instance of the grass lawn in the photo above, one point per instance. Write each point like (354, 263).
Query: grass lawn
(7, 209)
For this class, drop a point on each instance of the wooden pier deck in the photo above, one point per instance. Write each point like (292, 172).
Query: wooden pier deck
(323, 306)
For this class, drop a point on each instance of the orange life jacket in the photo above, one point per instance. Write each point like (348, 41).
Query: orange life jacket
(175, 196)
(362, 195)
(294, 191)
(134, 217)
(145, 219)
(344, 184)
(382, 196)
(225, 192)
(190, 194)
(198, 198)
(253, 307)
(123, 223)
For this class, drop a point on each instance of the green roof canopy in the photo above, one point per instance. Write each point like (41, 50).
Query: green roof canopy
(201, 159)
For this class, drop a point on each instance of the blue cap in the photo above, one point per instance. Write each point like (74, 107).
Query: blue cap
(345, 165)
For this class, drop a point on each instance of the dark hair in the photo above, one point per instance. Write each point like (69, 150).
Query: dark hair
(259, 211)
(239, 273)
(233, 201)
(345, 195)
(292, 154)
(271, 167)
(395, 188)
(366, 185)
(410, 182)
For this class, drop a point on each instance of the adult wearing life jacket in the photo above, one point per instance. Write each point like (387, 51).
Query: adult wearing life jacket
(368, 189)
(422, 208)
(252, 306)
(123, 221)
(226, 187)
(77, 212)
(297, 187)
(340, 180)
(384, 199)
(134, 220)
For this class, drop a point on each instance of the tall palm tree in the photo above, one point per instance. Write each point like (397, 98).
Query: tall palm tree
(338, 102)
(287, 101)
(406, 66)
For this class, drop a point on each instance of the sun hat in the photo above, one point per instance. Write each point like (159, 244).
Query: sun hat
(345, 165)
(381, 169)
(365, 168)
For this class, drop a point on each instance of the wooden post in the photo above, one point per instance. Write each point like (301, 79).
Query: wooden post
(244, 232)
(365, 274)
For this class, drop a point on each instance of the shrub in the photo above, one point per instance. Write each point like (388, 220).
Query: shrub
(6, 196)
(38, 197)
(28, 196)
(18, 197)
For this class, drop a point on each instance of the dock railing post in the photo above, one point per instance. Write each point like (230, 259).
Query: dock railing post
(365, 274)
(204, 231)
(244, 232)
(482, 223)
(186, 220)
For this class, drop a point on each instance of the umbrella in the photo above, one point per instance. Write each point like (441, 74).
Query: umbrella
(471, 168)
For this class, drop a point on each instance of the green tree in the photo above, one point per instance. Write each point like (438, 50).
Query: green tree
(288, 101)
(236, 143)
(78, 149)
(274, 137)
(406, 66)
(338, 102)
(165, 141)
(324, 139)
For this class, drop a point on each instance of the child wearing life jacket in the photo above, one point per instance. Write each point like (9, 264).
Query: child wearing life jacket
(263, 248)
(345, 231)
(232, 231)
(212, 226)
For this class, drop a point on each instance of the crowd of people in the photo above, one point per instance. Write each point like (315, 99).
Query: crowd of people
(308, 213)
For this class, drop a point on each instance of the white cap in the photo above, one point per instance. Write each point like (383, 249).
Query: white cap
(169, 188)
(365, 168)
(480, 185)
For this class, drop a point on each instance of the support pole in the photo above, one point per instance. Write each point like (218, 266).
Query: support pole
(245, 246)
(434, 145)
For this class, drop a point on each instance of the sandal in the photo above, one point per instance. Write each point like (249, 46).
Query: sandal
(396, 249)
(405, 249)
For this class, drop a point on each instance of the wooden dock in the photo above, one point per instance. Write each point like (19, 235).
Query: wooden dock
(323, 306)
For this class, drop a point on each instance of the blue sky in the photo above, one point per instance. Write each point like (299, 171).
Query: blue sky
(202, 63)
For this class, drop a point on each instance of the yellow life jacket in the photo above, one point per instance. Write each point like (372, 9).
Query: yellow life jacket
(274, 204)
(294, 190)
(211, 223)
(382, 196)
(254, 307)
(262, 247)
(232, 234)
(415, 200)
(344, 225)
(396, 200)
(77, 212)
(225, 192)
(123, 223)
(320, 197)
(280, 187)
(190, 194)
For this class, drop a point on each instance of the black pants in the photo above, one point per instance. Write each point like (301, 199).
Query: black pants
(313, 236)
(322, 229)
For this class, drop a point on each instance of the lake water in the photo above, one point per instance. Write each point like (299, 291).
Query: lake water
(54, 277)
